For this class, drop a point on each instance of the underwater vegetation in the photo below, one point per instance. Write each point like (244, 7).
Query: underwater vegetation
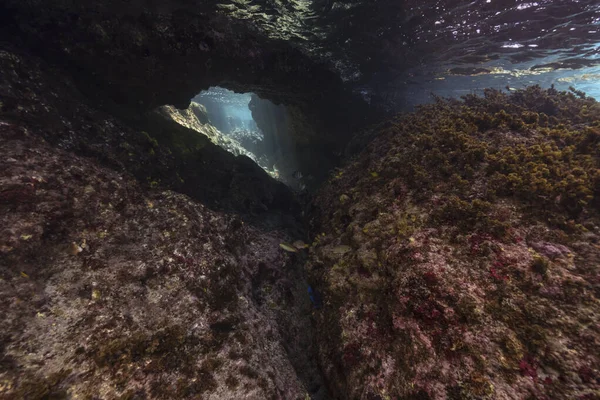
(113, 286)
(455, 257)
(470, 267)
(111, 291)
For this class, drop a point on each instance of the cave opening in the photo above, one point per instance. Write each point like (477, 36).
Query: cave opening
(246, 125)
(227, 111)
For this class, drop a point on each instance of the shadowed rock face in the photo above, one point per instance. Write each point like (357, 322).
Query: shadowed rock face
(370, 45)
(294, 140)
(320, 58)
(456, 256)
(157, 151)
(132, 59)
(145, 56)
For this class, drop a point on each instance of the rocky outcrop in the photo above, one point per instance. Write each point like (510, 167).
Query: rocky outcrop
(200, 112)
(113, 291)
(130, 59)
(251, 140)
(188, 119)
(458, 255)
(157, 151)
(114, 286)
(249, 144)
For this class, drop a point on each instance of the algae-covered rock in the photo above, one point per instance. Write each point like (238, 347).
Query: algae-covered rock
(475, 265)
(158, 151)
(121, 292)
(189, 119)
(113, 286)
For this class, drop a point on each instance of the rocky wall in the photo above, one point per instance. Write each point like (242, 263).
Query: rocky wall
(458, 254)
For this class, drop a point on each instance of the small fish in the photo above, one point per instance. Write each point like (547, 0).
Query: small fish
(341, 249)
(74, 249)
(297, 175)
(288, 247)
(299, 244)
(315, 297)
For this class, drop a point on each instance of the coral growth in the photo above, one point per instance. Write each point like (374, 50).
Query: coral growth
(473, 253)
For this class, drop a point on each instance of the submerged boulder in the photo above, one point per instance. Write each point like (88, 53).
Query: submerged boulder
(114, 286)
(189, 119)
(471, 262)
(112, 291)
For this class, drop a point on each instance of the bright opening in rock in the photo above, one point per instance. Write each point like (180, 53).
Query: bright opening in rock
(245, 125)
(228, 111)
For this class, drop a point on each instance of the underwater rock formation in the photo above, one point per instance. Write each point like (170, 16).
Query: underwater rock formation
(132, 58)
(188, 118)
(200, 112)
(252, 141)
(112, 291)
(214, 100)
(112, 285)
(455, 257)
(157, 151)
(458, 255)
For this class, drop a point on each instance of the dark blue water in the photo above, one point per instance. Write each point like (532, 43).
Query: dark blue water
(396, 52)
(459, 47)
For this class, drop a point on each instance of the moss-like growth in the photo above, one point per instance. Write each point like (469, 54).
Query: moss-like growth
(469, 199)
(540, 265)
(42, 388)
(470, 215)
(551, 165)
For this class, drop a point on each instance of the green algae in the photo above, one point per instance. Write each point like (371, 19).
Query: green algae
(442, 267)
(447, 146)
(540, 265)
(41, 388)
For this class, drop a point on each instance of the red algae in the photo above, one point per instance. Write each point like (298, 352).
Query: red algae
(478, 223)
